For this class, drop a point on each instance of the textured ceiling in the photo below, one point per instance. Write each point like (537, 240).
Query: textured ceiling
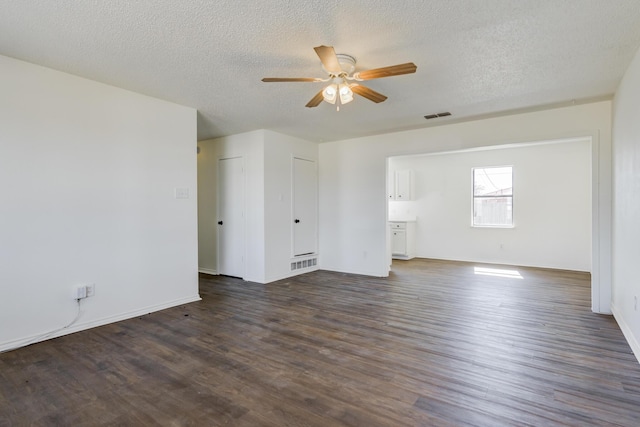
(474, 57)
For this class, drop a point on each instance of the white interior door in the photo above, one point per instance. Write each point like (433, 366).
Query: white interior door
(231, 217)
(305, 207)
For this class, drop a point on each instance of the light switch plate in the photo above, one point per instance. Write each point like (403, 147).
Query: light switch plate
(182, 192)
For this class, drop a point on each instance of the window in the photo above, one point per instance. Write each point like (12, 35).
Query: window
(493, 197)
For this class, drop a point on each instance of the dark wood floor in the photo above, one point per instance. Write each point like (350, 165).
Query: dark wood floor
(433, 344)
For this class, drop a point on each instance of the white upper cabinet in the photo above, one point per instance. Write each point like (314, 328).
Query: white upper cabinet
(401, 185)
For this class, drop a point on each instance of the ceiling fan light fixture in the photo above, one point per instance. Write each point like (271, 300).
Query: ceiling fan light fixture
(346, 94)
(330, 93)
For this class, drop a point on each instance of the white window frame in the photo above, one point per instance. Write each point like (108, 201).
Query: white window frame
(474, 197)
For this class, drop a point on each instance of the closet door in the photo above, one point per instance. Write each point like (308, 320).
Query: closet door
(305, 207)
(231, 239)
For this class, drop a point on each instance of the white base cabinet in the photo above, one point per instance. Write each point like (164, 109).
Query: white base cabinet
(402, 239)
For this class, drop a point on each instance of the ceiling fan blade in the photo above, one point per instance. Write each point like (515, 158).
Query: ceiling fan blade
(291, 79)
(370, 94)
(393, 70)
(315, 101)
(329, 59)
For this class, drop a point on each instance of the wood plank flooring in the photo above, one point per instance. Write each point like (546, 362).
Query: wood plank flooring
(435, 344)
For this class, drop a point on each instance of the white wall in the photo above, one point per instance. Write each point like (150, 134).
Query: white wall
(89, 174)
(268, 156)
(552, 206)
(626, 205)
(353, 202)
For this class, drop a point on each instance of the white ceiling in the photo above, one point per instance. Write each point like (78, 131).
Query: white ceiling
(474, 57)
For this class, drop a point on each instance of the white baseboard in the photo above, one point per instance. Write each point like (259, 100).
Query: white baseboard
(358, 272)
(626, 331)
(290, 274)
(14, 344)
(208, 271)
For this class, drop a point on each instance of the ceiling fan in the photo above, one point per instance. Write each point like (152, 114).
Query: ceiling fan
(343, 83)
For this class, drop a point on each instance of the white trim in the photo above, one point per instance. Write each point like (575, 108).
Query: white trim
(208, 271)
(498, 146)
(596, 277)
(626, 331)
(492, 226)
(358, 272)
(291, 274)
(94, 323)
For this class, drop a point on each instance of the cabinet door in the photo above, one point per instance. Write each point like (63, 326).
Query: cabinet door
(398, 242)
(391, 185)
(403, 185)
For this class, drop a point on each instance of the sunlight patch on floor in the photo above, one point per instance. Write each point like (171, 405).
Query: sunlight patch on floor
(497, 272)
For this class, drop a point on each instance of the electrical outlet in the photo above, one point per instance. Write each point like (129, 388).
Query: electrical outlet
(91, 289)
(80, 292)
(84, 291)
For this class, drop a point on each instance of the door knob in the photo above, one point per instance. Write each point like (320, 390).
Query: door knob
(296, 221)
(219, 222)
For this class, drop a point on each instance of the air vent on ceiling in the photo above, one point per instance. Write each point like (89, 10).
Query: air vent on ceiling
(435, 116)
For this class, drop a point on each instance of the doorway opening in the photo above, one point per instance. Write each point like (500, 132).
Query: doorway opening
(554, 196)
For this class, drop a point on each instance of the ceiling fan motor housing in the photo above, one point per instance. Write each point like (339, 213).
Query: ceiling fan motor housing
(347, 63)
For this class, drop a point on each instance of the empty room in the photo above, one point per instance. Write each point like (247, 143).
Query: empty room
(356, 213)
